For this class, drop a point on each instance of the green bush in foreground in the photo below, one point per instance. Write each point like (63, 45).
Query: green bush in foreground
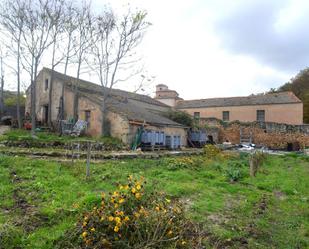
(131, 217)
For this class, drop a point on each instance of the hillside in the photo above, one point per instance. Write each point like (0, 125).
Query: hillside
(299, 85)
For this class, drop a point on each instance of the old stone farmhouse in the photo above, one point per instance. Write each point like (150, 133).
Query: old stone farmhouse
(126, 112)
(283, 107)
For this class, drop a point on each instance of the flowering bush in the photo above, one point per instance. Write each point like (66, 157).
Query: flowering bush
(211, 151)
(131, 217)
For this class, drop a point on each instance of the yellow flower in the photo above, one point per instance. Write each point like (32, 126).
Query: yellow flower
(183, 242)
(121, 213)
(84, 223)
(170, 232)
(84, 234)
(115, 193)
(121, 200)
(92, 229)
(157, 208)
(138, 187)
(126, 218)
(86, 218)
(130, 177)
(102, 218)
(120, 187)
(133, 190)
(116, 205)
(110, 218)
(117, 219)
(138, 195)
(116, 229)
(126, 187)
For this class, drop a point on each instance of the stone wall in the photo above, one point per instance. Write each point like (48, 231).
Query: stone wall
(273, 136)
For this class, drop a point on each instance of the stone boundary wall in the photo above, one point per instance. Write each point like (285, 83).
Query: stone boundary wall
(271, 135)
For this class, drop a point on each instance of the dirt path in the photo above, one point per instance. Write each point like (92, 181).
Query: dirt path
(4, 128)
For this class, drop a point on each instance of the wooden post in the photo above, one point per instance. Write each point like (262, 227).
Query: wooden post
(88, 159)
(252, 163)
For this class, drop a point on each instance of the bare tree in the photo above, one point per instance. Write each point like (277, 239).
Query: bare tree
(36, 36)
(12, 20)
(113, 50)
(1, 84)
(56, 15)
(69, 28)
(82, 43)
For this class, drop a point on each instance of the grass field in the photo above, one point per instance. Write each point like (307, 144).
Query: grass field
(41, 199)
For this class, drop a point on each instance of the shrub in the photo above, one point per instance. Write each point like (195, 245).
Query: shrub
(211, 151)
(131, 217)
(234, 172)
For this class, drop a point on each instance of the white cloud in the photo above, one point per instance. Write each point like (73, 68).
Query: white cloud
(184, 49)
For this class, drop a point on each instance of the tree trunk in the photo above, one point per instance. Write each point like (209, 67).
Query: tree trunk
(50, 96)
(75, 92)
(2, 96)
(33, 97)
(105, 121)
(50, 93)
(2, 89)
(18, 87)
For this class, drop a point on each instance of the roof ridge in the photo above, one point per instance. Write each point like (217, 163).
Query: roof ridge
(247, 96)
(114, 91)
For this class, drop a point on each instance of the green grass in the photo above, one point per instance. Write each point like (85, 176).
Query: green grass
(40, 199)
(20, 135)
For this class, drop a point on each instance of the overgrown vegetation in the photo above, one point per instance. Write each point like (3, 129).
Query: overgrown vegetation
(211, 151)
(41, 201)
(180, 117)
(18, 137)
(132, 217)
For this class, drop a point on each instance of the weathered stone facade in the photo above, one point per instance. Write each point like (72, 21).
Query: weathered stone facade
(126, 114)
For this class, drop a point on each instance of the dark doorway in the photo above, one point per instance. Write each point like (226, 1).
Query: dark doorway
(45, 113)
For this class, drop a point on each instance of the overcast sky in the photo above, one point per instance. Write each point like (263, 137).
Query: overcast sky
(212, 48)
(218, 48)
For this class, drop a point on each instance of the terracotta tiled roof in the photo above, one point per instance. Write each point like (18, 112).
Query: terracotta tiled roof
(263, 99)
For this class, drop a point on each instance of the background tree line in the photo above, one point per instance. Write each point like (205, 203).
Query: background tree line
(63, 34)
(299, 85)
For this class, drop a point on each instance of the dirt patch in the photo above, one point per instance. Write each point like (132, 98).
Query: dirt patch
(30, 217)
